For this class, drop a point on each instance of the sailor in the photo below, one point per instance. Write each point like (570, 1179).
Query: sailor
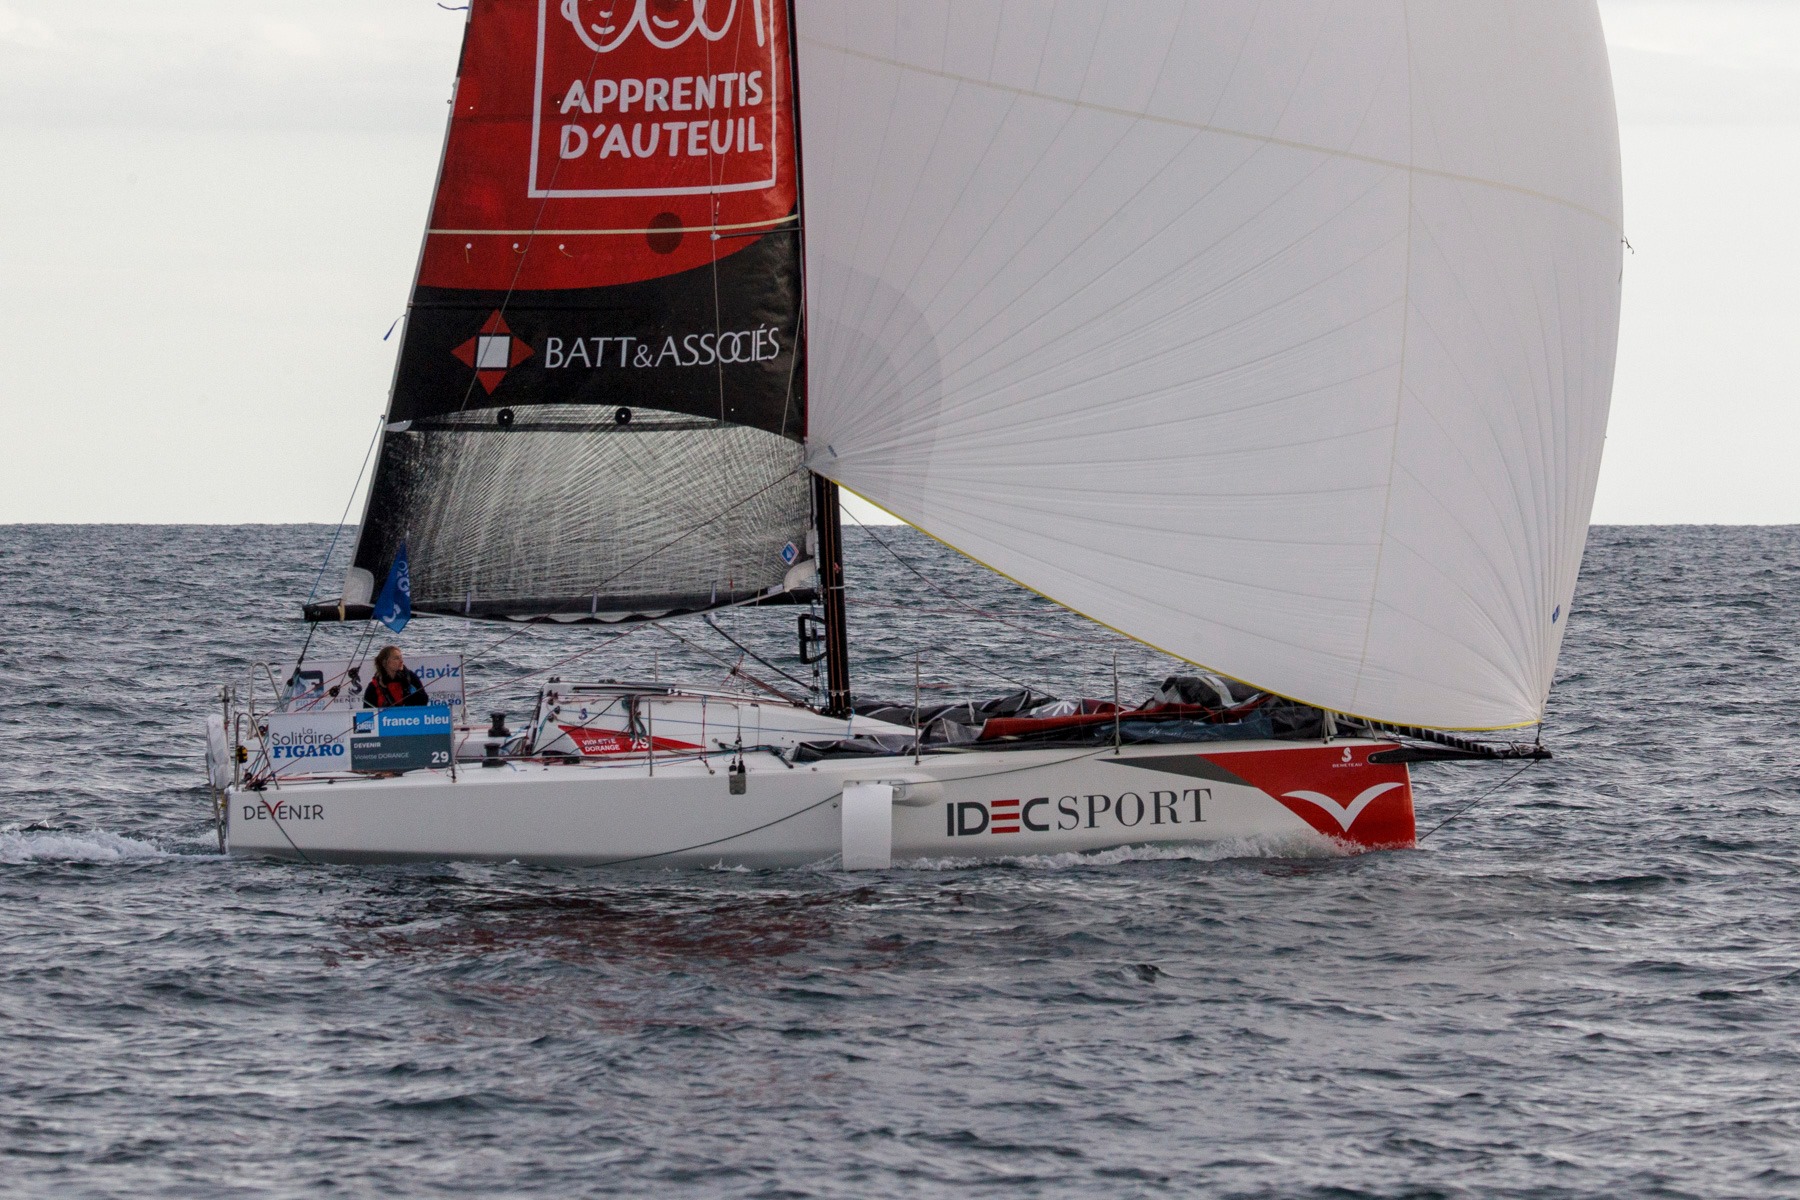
(394, 686)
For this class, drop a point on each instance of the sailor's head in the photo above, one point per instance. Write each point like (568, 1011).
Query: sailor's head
(606, 24)
(389, 662)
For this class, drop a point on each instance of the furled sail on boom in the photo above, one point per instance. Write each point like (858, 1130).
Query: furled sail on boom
(599, 404)
(1279, 336)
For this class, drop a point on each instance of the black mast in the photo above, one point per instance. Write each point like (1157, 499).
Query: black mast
(831, 585)
(825, 493)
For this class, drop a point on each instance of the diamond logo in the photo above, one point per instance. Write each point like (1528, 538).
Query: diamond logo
(493, 352)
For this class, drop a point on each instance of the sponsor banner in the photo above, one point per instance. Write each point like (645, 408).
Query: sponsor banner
(1156, 812)
(1336, 790)
(662, 345)
(336, 685)
(603, 742)
(401, 739)
(630, 132)
(654, 98)
(305, 743)
(617, 220)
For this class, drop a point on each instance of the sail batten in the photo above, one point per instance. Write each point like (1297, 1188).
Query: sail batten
(1278, 339)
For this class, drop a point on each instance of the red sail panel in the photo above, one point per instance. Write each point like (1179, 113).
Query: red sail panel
(619, 191)
(629, 131)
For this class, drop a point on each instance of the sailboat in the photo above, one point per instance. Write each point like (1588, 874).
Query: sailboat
(1279, 339)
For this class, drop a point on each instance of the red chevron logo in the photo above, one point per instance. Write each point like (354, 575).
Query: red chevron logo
(1334, 789)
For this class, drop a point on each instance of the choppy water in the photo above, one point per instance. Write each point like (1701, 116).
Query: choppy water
(1590, 986)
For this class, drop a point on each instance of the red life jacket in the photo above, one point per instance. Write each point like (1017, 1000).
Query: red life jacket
(389, 692)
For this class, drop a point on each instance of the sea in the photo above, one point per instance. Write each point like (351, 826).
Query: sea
(1586, 983)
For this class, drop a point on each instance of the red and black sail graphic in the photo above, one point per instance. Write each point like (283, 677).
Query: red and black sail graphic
(600, 397)
(619, 182)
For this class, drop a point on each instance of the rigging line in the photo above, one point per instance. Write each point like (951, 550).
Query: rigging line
(889, 606)
(1152, 647)
(360, 654)
(645, 558)
(365, 643)
(534, 624)
(537, 224)
(312, 628)
(958, 601)
(558, 664)
(286, 836)
(975, 666)
(339, 532)
(619, 862)
(481, 654)
(753, 654)
(269, 807)
(1478, 800)
(732, 668)
(691, 531)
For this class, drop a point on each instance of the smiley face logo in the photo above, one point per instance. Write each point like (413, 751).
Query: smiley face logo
(605, 25)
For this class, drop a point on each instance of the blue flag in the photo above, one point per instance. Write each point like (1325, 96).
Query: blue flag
(393, 607)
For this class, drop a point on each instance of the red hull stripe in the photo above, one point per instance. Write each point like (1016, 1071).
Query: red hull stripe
(1335, 789)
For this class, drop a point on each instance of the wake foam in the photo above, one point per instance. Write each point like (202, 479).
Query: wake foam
(18, 847)
(1299, 846)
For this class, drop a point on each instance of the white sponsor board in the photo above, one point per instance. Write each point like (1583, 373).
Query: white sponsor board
(640, 98)
(336, 684)
(303, 743)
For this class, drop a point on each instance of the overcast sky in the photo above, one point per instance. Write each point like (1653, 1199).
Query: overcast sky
(210, 211)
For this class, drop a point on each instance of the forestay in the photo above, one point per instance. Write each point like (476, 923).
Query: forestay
(1279, 336)
(598, 408)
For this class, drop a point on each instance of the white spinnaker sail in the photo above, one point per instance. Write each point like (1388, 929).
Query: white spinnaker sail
(1278, 334)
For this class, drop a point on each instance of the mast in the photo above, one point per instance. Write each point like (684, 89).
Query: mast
(831, 585)
(827, 522)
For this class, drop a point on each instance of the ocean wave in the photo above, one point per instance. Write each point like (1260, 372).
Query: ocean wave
(20, 846)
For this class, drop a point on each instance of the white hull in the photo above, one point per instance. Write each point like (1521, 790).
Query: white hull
(985, 804)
